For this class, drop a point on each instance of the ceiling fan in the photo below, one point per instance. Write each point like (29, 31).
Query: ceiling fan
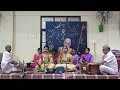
(104, 16)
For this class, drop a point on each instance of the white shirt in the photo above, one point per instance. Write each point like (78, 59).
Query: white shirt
(7, 57)
(111, 61)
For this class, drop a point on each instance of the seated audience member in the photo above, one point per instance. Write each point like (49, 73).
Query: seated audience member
(55, 56)
(7, 64)
(46, 60)
(75, 58)
(109, 63)
(67, 43)
(87, 57)
(37, 58)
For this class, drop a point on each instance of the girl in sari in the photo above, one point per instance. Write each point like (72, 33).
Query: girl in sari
(46, 61)
(75, 58)
(37, 57)
(87, 57)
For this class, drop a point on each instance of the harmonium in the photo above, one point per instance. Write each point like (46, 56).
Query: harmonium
(91, 69)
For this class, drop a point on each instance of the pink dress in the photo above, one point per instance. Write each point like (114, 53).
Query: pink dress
(87, 58)
(36, 60)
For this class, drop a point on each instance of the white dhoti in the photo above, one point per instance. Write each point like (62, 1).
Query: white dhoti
(110, 66)
(5, 64)
(105, 69)
(7, 67)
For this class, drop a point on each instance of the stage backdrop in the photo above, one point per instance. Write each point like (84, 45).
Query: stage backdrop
(57, 32)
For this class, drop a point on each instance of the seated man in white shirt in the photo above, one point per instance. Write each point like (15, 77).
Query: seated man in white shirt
(109, 63)
(7, 64)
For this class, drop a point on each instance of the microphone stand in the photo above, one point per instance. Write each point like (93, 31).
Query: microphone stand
(65, 60)
(44, 65)
(79, 68)
(66, 68)
(23, 71)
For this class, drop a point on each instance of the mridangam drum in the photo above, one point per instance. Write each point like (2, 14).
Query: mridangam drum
(20, 65)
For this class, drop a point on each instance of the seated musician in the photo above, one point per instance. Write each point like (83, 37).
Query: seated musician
(75, 58)
(65, 59)
(65, 56)
(67, 43)
(109, 63)
(7, 64)
(45, 61)
(87, 57)
(37, 58)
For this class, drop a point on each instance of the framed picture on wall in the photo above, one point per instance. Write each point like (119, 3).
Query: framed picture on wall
(55, 29)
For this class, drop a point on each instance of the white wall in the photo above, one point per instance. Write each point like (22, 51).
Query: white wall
(25, 32)
(6, 29)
